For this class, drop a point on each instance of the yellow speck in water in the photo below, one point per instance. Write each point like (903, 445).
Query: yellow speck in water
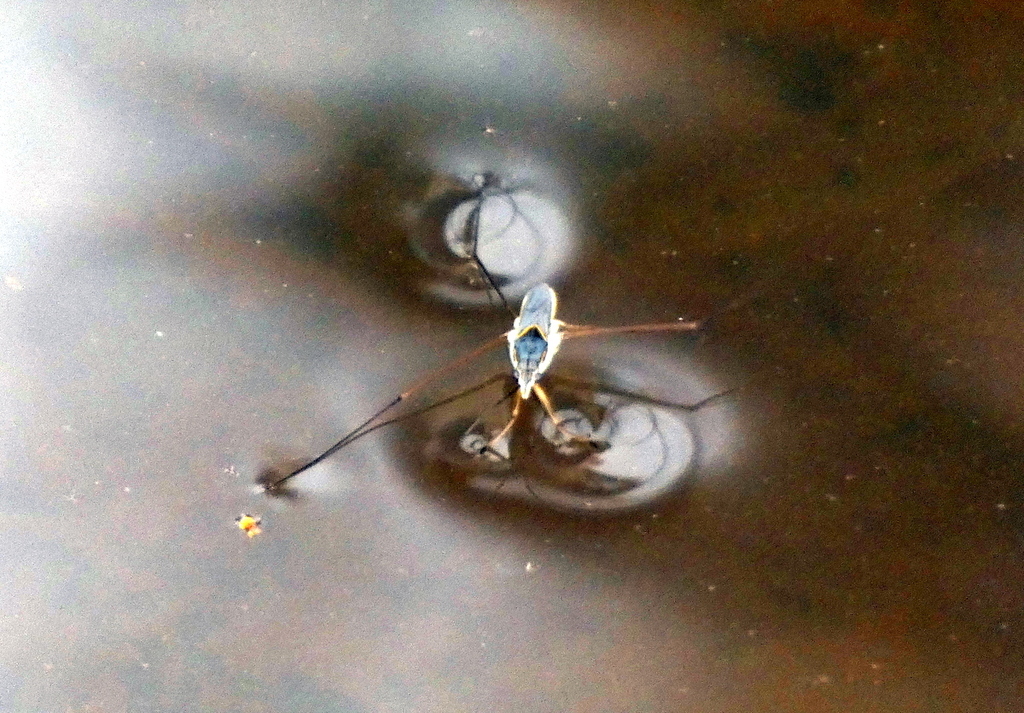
(250, 524)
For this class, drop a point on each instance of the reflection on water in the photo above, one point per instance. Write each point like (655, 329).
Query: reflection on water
(636, 425)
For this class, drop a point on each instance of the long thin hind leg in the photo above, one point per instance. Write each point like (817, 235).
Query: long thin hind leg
(271, 482)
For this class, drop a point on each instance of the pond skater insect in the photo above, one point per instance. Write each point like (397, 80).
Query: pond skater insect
(533, 341)
(535, 338)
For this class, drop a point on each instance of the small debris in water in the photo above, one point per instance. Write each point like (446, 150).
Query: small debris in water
(250, 524)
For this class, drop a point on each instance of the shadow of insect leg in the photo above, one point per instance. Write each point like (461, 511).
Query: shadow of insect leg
(645, 398)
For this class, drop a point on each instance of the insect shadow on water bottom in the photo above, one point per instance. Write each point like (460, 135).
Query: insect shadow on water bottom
(597, 448)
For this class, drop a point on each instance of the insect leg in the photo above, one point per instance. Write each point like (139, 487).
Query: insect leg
(473, 226)
(576, 330)
(272, 484)
(545, 401)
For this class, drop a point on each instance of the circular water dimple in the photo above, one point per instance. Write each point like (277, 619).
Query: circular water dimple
(497, 228)
(476, 443)
(518, 232)
(646, 451)
(631, 430)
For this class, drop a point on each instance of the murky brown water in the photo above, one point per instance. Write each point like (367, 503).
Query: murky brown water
(217, 225)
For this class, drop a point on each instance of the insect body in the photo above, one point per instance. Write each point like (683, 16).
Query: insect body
(535, 337)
